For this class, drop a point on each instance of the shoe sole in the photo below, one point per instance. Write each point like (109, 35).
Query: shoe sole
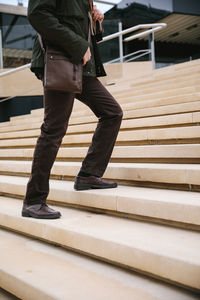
(82, 187)
(30, 215)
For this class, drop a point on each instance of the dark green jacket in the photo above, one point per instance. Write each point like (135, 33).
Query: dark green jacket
(63, 23)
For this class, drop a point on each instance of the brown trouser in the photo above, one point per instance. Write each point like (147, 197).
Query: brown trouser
(57, 110)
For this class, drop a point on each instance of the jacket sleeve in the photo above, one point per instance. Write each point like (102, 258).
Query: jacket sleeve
(41, 15)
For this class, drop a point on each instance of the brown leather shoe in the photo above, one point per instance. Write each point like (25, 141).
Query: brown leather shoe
(40, 211)
(92, 182)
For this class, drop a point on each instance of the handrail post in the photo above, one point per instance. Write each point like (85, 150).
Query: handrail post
(121, 55)
(152, 47)
(1, 51)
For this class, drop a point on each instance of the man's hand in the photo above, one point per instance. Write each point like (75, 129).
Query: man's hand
(87, 56)
(96, 14)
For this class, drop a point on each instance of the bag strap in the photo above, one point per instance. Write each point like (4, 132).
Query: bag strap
(41, 42)
(91, 5)
(93, 24)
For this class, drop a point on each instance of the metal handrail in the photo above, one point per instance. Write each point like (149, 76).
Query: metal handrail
(106, 2)
(134, 28)
(142, 53)
(147, 32)
(153, 28)
(15, 70)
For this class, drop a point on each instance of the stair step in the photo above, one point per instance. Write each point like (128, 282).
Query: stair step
(21, 117)
(163, 110)
(129, 105)
(193, 107)
(23, 126)
(157, 95)
(20, 134)
(127, 137)
(157, 77)
(178, 82)
(188, 82)
(4, 295)
(121, 87)
(160, 75)
(36, 112)
(41, 271)
(156, 250)
(161, 121)
(140, 110)
(183, 174)
(184, 65)
(188, 152)
(162, 206)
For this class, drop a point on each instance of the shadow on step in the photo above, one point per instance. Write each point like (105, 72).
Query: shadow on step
(4, 295)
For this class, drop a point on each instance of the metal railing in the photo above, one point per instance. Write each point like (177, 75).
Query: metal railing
(1, 52)
(151, 29)
(15, 70)
(106, 2)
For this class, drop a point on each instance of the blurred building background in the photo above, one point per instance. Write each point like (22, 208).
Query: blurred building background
(178, 42)
(17, 36)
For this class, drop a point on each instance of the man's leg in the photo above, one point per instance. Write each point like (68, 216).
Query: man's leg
(57, 110)
(109, 113)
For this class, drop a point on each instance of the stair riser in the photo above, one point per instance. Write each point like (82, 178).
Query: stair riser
(129, 104)
(161, 102)
(182, 215)
(167, 77)
(128, 96)
(22, 289)
(173, 175)
(128, 137)
(138, 113)
(152, 82)
(153, 122)
(163, 110)
(43, 271)
(157, 88)
(128, 153)
(148, 262)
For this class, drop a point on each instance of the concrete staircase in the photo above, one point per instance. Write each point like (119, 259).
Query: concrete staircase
(139, 241)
